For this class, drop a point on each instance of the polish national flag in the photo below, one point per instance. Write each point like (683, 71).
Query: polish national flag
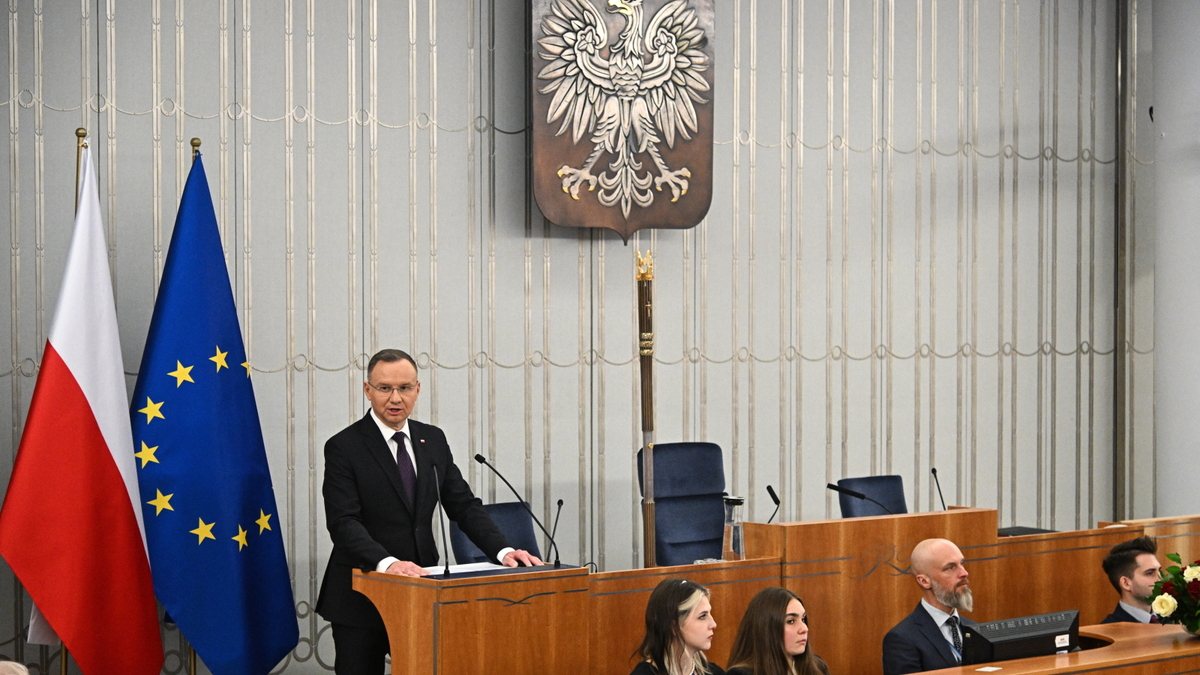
(71, 527)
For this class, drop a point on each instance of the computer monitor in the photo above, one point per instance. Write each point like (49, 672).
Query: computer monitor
(1039, 635)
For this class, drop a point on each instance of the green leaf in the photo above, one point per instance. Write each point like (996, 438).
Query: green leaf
(1174, 557)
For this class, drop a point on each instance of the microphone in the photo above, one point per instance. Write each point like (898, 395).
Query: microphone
(483, 460)
(437, 485)
(938, 483)
(857, 495)
(774, 498)
(554, 529)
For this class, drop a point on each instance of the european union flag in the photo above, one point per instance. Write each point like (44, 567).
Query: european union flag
(213, 531)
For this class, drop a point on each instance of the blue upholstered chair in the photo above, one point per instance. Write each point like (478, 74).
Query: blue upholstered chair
(689, 514)
(512, 519)
(887, 490)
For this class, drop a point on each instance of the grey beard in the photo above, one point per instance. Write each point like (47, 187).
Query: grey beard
(963, 602)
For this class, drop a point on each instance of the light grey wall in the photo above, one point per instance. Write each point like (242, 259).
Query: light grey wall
(1177, 369)
(907, 263)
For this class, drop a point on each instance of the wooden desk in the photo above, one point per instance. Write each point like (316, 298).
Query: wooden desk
(1136, 649)
(852, 574)
(531, 621)
(863, 563)
(617, 606)
(1179, 534)
(1041, 573)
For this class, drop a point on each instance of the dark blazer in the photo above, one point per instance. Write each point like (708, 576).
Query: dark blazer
(644, 668)
(1119, 615)
(369, 520)
(741, 670)
(916, 644)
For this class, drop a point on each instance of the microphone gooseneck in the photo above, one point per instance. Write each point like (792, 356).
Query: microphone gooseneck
(483, 460)
(938, 483)
(437, 491)
(846, 491)
(774, 498)
(857, 495)
(554, 531)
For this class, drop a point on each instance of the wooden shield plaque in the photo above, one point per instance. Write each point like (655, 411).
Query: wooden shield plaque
(622, 112)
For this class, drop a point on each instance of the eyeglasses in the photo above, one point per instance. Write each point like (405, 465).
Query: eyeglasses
(387, 389)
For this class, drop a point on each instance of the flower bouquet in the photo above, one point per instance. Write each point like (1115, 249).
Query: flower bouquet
(1176, 596)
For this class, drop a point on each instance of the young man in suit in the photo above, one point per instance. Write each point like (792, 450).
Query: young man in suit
(383, 477)
(931, 637)
(1132, 568)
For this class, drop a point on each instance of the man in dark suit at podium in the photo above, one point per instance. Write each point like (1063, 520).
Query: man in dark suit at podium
(1132, 568)
(383, 475)
(931, 637)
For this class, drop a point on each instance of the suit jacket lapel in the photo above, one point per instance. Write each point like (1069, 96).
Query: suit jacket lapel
(378, 449)
(425, 476)
(933, 633)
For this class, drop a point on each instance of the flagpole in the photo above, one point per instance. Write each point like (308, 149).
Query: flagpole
(191, 650)
(80, 144)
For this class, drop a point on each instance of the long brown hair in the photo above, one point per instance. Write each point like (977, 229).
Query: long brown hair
(669, 606)
(759, 643)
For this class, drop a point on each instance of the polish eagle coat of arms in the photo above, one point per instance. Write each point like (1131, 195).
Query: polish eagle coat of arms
(623, 113)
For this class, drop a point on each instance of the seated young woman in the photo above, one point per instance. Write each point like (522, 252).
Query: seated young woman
(679, 628)
(773, 638)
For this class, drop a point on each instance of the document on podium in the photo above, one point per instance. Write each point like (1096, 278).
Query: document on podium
(486, 569)
(469, 567)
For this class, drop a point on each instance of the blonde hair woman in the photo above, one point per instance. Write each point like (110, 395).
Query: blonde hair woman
(679, 628)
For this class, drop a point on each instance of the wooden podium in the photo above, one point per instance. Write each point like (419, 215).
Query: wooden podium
(526, 620)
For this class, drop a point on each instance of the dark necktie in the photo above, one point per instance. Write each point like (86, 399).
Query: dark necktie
(1154, 618)
(408, 475)
(953, 621)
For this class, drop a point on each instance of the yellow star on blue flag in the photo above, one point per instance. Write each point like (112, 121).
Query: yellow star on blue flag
(230, 596)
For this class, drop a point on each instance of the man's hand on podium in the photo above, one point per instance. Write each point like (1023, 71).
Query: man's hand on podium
(519, 557)
(406, 569)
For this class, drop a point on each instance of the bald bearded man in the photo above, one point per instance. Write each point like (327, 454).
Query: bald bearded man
(931, 637)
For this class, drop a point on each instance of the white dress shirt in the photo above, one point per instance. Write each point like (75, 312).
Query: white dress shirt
(942, 619)
(1137, 612)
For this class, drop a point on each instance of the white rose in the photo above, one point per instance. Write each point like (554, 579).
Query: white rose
(1164, 605)
(1191, 573)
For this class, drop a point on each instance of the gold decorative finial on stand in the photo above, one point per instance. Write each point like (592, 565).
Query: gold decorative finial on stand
(195, 148)
(645, 267)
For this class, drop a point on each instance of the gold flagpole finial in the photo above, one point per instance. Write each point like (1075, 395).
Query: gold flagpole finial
(80, 144)
(195, 148)
(645, 267)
